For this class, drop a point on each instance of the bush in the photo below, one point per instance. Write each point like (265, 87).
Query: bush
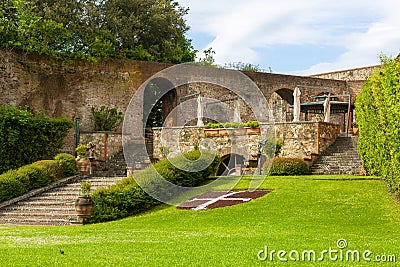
(378, 119)
(68, 164)
(52, 169)
(106, 119)
(252, 124)
(233, 125)
(37, 177)
(285, 166)
(15, 183)
(26, 138)
(127, 198)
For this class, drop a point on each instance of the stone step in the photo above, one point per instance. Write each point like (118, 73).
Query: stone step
(54, 207)
(341, 157)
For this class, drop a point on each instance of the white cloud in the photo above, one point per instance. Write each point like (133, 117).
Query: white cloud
(361, 28)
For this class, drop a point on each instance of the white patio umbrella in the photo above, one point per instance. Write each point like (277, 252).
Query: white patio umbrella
(200, 115)
(236, 113)
(296, 104)
(327, 108)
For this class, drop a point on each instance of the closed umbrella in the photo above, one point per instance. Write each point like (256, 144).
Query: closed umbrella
(296, 104)
(200, 115)
(327, 108)
(236, 113)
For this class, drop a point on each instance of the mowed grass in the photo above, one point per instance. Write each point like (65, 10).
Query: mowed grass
(300, 214)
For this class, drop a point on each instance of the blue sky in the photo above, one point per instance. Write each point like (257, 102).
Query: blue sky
(294, 36)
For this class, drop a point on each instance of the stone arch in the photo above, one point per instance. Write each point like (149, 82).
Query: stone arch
(228, 164)
(160, 98)
(280, 102)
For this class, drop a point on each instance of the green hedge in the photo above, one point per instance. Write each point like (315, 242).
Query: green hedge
(26, 138)
(127, 198)
(378, 119)
(285, 166)
(15, 183)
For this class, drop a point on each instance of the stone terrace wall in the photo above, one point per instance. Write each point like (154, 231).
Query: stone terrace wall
(303, 139)
(300, 140)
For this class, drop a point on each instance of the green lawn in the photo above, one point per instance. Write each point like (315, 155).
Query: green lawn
(300, 214)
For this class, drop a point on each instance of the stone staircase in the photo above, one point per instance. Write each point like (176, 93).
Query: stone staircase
(115, 166)
(341, 157)
(52, 207)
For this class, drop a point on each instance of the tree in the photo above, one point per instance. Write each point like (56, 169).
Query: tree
(94, 29)
(243, 66)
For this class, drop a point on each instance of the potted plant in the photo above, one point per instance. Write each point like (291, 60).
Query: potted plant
(82, 161)
(252, 127)
(84, 203)
(355, 128)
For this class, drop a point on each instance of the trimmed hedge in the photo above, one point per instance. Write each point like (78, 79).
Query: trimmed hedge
(378, 119)
(67, 161)
(285, 166)
(126, 198)
(26, 138)
(15, 183)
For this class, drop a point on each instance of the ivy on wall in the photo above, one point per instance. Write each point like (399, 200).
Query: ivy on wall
(378, 118)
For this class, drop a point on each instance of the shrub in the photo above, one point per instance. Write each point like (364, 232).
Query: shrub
(15, 183)
(127, 198)
(378, 120)
(68, 164)
(51, 168)
(285, 166)
(252, 124)
(37, 177)
(211, 125)
(106, 119)
(26, 138)
(233, 125)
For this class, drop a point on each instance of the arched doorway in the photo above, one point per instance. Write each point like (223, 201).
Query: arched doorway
(229, 163)
(280, 102)
(159, 99)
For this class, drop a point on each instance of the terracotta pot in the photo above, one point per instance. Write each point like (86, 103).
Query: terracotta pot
(84, 207)
(239, 131)
(83, 165)
(211, 132)
(253, 131)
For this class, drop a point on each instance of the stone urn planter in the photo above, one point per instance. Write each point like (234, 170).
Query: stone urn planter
(83, 165)
(84, 204)
(82, 161)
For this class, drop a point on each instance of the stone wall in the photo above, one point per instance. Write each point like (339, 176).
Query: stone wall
(358, 74)
(107, 144)
(300, 140)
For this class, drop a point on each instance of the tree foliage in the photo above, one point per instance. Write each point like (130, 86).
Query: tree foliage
(378, 118)
(97, 29)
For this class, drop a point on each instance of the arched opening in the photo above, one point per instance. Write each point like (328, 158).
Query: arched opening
(159, 100)
(229, 163)
(280, 102)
